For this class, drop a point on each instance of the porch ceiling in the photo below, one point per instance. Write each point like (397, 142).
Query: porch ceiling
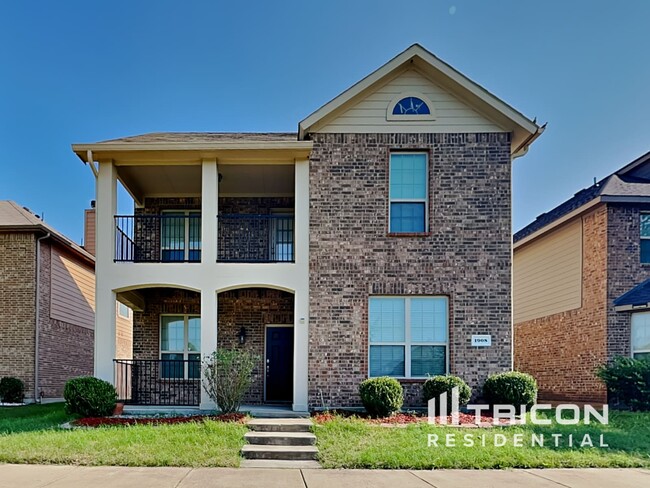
(237, 180)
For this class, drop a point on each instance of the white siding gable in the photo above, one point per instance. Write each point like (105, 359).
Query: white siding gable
(368, 115)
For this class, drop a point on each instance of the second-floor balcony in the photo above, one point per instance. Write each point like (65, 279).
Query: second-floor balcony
(175, 237)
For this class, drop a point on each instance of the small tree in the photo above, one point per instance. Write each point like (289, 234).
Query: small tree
(227, 377)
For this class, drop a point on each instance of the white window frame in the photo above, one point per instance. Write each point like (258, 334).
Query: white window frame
(119, 310)
(424, 200)
(410, 117)
(407, 343)
(185, 351)
(186, 248)
(642, 237)
(632, 350)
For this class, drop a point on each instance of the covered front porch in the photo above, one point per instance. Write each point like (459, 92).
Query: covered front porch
(169, 345)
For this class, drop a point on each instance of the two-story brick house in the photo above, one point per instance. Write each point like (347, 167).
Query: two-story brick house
(581, 293)
(375, 241)
(47, 304)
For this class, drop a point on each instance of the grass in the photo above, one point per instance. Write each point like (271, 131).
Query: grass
(31, 434)
(352, 443)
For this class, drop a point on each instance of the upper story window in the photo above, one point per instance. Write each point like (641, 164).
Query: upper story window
(645, 238)
(408, 192)
(408, 336)
(410, 106)
(180, 236)
(641, 335)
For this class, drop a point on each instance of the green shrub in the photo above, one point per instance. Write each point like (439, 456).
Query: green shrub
(628, 382)
(511, 388)
(228, 376)
(12, 390)
(89, 397)
(382, 396)
(437, 385)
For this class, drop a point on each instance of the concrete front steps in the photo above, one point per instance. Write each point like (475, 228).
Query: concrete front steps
(280, 443)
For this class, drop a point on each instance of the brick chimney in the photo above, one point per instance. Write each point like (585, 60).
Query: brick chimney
(89, 229)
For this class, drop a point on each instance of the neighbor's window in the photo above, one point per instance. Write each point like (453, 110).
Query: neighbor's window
(180, 346)
(641, 335)
(180, 236)
(408, 192)
(645, 238)
(408, 336)
(123, 310)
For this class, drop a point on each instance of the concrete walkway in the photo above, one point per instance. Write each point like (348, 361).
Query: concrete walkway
(33, 476)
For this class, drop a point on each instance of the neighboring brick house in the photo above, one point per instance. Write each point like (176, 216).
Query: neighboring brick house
(47, 295)
(580, 296)
(375, 241)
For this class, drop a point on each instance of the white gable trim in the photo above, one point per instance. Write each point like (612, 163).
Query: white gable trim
(524, 129)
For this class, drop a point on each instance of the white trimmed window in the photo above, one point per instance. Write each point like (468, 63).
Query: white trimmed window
(641, 335)
(408, 193)
(123, 310)
(408, 336)
(180, 346)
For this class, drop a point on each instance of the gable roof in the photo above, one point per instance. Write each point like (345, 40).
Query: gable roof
(631, 183)
(524, 130)
(14, 218)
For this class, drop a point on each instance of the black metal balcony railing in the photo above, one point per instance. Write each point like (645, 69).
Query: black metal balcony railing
(158, 382)
(249, 238)
(169, 238)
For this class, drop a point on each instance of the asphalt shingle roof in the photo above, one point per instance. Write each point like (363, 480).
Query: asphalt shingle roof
(639, 295)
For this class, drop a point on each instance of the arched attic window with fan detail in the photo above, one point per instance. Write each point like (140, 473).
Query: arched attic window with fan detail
(410, 106)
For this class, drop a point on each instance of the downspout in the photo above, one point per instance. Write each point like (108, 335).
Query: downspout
(38, 311)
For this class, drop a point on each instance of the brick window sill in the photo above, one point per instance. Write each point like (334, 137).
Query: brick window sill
(409, 381)
(409, 234)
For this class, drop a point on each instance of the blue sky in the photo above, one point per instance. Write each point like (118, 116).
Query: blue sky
(80, 71)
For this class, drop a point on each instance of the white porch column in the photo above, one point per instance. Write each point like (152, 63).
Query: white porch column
(209, 209)
(105, 333)
(301, 297)
(208, 338)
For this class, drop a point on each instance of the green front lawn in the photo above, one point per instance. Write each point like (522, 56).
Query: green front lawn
(31, 435)
(352, 443)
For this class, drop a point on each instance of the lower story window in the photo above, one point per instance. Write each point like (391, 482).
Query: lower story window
(641, 335)
(408, 336)
(180, 346)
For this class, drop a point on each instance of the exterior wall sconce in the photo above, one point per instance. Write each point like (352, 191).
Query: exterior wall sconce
(242, 336)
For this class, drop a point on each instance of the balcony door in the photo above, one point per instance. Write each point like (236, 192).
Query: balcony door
(180, 236)
(282, 235)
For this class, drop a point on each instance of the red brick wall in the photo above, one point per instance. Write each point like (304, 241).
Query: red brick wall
(17, 300)
(466, 256)
(563, 350)
(624, 271)
(252, 308)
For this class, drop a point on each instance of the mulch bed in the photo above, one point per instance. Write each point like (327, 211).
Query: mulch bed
(121, 421)
(405, 418)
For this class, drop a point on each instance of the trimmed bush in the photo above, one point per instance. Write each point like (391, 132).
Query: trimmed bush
(12, 390)
(628, 382)
(228, 377)
(437, 385)
(89, 397)
(511, 388)
(381, 396)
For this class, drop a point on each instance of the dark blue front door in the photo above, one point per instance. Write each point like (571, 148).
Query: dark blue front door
(279, 364)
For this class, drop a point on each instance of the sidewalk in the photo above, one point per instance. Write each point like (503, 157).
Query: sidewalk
(33, 476)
